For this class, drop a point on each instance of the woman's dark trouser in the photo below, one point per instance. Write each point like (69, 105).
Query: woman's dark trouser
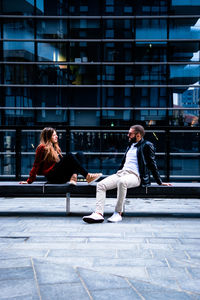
(65, 168)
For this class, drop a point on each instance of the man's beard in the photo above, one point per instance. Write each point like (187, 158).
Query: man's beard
(133, 140)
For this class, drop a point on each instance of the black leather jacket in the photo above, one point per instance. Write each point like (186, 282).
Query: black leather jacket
(146, 162)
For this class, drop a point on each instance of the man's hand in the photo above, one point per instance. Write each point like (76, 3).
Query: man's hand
(23, 182)
(166, 184)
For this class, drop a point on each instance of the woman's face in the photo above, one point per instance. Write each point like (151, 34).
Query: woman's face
(54, 137)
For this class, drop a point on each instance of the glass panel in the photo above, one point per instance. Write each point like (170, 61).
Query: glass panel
(85, 7)
(31, 139)
(84, 74)
(151, 97)
(84, 117)
(84, 52)
(151, 29)
(19, 74)
(184, 51)
(153, 7)
(118, 7)
(7, 157)
(52, 8)
(184, 74)
(117, 74)
(52, 52)
(118, 52)
(150, 74)
(117, 97)
(27, 161)
(52, 74)
(186, 7)
(118, 29)
(18, 51)
(178, 144)
(7, 164)
(151, 52)
(52, 29)
(85, 28)
(184, 28)
(86, 97)
(186, 97)
(18, 7)
(18, 29)
(114, 117)
(185, 166)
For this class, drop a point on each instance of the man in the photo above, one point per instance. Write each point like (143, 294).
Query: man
(134, 171)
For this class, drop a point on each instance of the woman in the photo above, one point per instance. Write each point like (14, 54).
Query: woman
(50, 162)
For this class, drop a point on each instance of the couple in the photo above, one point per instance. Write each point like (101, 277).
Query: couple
(135, 168)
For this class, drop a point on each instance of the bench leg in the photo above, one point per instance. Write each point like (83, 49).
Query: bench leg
(67, 203)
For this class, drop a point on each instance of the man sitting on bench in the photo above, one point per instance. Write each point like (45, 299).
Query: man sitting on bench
(134, 171)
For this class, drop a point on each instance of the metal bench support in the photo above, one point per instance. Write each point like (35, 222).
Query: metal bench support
(67, 203)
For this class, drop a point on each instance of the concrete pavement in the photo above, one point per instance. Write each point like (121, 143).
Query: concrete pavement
(154, 253)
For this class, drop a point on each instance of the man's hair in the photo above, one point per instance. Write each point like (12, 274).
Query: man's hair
(139, 129)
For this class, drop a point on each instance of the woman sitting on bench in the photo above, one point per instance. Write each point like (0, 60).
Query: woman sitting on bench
(57, 168)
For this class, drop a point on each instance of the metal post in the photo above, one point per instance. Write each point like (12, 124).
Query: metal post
(67, 203)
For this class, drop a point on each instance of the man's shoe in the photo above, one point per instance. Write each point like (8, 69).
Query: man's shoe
(93, 218)
(73, 179)
(92, 177)
(116, 217)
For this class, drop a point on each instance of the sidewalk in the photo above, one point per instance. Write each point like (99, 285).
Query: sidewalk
(154, 253)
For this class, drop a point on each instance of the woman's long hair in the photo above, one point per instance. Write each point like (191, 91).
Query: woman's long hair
(52, 150)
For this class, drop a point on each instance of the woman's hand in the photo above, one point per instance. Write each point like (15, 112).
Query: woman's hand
(23, 182)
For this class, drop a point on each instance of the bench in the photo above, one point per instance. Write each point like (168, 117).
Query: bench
(83, 189)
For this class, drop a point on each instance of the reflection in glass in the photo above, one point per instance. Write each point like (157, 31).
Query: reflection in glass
(178, 144)
(151, 7)
(84, 117)
(118, 52)
(85, 7)
(84, 52)
(184, 28)
(19, 74)
(150, 74)
(114, 74)
(84, 74)
(184, 51)
(185, 166)
(188, 7)
(52, 8)
(7, 164)
(25, 7)
(52, 74)
(52, 52)
(121, 97)
(51, 29)
(18, 51)
(18, 29)
(85, 28)
(118, 29)
(151, 29)
(151, 52)
(184, 74)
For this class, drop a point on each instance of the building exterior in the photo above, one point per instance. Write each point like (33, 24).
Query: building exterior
(93, 68)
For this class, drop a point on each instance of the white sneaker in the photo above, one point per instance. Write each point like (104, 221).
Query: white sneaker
(116, 217)
(93, 218)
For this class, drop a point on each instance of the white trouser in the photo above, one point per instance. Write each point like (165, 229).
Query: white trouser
(122, 180)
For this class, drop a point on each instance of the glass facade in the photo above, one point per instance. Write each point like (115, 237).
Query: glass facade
(91, 69)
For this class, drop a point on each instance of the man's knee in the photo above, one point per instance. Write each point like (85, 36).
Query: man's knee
(122, 183)
(101, 186)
